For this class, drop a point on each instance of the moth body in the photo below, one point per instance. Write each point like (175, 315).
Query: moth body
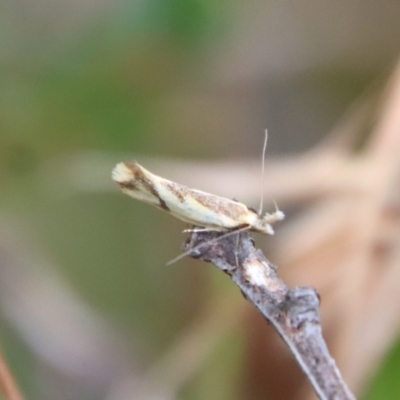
(191, 205)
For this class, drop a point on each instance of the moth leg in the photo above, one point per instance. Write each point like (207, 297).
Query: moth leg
(234, 231)
(236, 249)
(194, 230)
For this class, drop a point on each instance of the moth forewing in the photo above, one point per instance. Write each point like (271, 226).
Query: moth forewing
(132, 182)
(191, 205)
(200, 208)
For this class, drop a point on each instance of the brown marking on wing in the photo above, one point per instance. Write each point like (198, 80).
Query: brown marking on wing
(219, 204)
(127, 185)
(139, 176)
(179, 191)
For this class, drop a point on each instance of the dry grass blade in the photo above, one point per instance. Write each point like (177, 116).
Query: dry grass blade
(347, 246)
(7, 382)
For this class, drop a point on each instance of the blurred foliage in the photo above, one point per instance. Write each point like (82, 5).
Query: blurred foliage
(85, 77)
(74, 83)
(96, 87)
(217, 378)
(386, 384)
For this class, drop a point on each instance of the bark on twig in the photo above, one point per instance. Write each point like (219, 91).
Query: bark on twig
(293, 313)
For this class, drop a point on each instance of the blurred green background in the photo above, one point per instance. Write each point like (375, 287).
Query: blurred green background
(84, 85)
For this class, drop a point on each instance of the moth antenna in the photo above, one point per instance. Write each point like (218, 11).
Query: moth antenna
(186, 253)
(276, 205)
(263, 173)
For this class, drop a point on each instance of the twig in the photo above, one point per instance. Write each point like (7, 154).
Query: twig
(293, 313)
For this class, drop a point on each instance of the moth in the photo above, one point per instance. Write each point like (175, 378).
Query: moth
(190, 205)
(211, 212)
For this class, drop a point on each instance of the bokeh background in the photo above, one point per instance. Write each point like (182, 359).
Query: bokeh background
(186, 87)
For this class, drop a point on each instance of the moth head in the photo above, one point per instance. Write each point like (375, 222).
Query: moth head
(277, 215)
(263, 226)
(264, 223)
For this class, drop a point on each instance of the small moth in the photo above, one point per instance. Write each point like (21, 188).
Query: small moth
(191, 205)
(194, 206)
